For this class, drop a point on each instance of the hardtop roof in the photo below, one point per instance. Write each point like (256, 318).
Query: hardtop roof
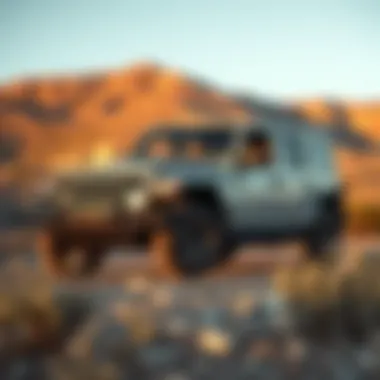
(259, 123)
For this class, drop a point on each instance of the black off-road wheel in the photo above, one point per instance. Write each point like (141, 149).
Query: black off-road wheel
(189, 242)
(63, 258)
(321, 248)
(322, 242)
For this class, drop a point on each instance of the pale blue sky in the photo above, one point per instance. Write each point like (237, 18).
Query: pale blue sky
(284, 48)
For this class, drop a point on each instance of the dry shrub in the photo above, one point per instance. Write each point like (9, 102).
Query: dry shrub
(29, 318)
(326, 302)
(311, 292)
(360, 298)
(365, 278)
(313, 283)
(32, 317)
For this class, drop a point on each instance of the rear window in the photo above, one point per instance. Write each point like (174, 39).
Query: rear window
(310, 147)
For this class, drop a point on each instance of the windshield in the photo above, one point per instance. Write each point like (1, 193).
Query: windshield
(183, 143)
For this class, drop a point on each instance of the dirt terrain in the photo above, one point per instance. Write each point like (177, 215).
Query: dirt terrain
(229, 325)
(248, 261)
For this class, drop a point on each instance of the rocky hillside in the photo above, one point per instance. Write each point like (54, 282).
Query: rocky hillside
(47, 124)
(357, 125)
(59, 122)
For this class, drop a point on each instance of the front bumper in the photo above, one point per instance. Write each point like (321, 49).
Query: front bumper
(120, 229)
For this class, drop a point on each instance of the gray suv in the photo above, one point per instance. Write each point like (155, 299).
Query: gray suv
(193, 195)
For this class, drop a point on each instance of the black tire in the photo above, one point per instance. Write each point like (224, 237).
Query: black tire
(56, 251)
(319, 248)
(321, 243)
(190, 241)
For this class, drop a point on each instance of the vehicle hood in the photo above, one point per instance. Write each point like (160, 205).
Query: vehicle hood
(150, 169)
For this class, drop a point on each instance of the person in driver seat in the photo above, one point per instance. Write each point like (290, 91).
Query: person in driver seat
(257, 151)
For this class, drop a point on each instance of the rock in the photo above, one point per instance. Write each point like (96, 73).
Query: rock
(214, 342)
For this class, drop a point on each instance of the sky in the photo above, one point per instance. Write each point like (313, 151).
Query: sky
(280, 48)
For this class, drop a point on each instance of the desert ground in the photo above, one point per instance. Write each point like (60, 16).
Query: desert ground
(228, 325)
(20, 245)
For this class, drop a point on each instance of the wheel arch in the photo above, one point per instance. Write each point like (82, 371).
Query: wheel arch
(332, 200)
(332, 203)
(206, 195)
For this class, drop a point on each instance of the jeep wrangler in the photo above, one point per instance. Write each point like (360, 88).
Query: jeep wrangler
(192, 196)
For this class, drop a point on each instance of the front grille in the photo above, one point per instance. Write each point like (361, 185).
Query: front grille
(98, 192)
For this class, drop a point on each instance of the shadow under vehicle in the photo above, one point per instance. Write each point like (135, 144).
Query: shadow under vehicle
(192, 196)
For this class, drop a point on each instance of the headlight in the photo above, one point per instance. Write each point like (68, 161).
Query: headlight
(135, 200)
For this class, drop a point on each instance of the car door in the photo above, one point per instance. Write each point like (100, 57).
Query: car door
(292, 195)
(250, 187)
(265, 196)
(258, 206)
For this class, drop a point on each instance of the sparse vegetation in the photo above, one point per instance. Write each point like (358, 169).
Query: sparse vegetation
(40, 324)
(34, 319)
(329, 304)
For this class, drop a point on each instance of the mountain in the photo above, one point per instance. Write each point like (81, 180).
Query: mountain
(358, 125)
(331, 113)
(362, 116)
(47, 124)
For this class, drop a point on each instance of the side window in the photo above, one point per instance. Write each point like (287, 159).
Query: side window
(258, 150)
(160, 148)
